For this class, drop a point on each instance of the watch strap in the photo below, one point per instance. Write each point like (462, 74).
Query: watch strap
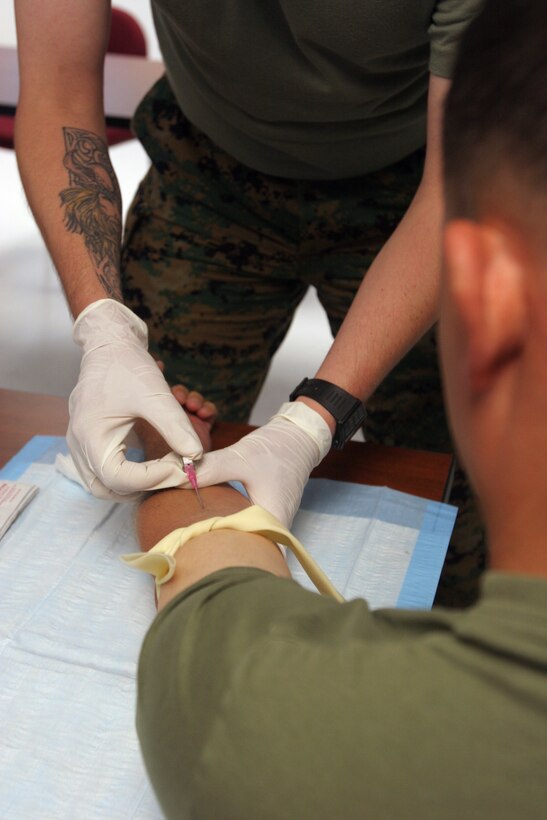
(348, 411)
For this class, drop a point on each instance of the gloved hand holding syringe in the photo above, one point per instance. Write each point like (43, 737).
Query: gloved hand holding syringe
(120, 382)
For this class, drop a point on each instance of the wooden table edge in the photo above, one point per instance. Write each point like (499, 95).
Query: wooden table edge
(419, 472)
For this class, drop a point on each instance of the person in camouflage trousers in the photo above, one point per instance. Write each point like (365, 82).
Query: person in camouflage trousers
(217, 257)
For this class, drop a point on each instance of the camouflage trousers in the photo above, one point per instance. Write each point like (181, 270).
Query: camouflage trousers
(217, 257)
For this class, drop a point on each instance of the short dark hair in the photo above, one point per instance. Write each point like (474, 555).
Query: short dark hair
(495, 124)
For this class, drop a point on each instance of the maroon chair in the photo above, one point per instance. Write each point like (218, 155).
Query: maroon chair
(126, 37)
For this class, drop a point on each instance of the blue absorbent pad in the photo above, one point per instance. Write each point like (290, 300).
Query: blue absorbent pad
(73, 617)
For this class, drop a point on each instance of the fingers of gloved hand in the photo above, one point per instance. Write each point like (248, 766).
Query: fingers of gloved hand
(229, 465)
(103, 459)
(167, 416)
(273, 462)
(98, 490)
(118, 383)
(221, 466)
(269, 463)
(65, 465)
(125, 477)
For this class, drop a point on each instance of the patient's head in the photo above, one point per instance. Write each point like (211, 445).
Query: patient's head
(494, 302)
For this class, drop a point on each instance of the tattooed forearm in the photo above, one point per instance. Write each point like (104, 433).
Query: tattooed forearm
(92, 204)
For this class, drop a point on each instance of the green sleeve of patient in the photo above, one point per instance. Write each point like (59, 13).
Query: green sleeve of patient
(259, 699)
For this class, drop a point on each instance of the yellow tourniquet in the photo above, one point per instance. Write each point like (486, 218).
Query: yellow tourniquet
(160, 561)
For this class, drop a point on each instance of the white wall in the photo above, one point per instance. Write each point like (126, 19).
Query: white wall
(138, 8)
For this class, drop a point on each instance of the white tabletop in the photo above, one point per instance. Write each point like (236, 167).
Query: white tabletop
(126, 80)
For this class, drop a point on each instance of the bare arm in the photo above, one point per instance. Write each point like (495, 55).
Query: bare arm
(162, 512)
(168, 510)
(61, 143)
(74, 195)
(398, 299)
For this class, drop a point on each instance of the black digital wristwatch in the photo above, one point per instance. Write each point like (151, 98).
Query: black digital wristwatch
(348, 411)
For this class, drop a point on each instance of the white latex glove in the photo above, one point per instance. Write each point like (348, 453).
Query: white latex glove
(119, 382)
(273, 462)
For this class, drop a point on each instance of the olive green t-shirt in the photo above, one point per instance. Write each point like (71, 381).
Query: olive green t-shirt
(258, 699)
(310, 89)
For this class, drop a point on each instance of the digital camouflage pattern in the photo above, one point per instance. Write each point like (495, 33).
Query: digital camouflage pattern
(217, 257)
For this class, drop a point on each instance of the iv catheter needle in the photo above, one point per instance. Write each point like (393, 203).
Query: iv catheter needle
(190, 470)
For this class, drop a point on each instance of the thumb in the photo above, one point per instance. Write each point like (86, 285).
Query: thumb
(166, 415)
(220, 466)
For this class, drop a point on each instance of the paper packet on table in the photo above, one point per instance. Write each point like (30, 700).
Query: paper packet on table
(14, 497)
